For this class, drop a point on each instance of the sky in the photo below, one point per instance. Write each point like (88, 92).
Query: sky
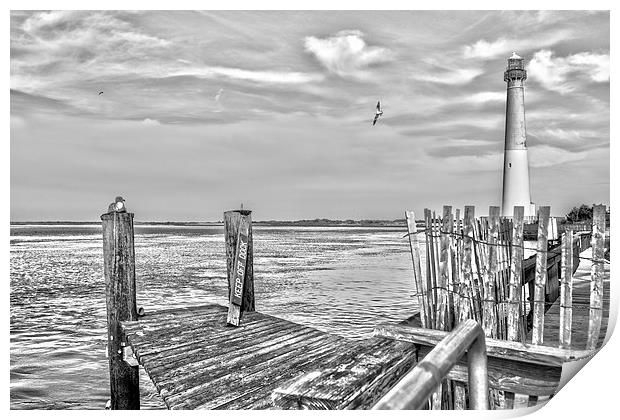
(204, 110)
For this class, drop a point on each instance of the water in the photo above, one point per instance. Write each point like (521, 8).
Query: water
(339, 280)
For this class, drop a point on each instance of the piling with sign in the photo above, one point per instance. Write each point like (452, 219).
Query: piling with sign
(120, 281)
(239, 263)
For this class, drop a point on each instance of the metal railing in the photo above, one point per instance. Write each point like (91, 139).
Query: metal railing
(414, 390)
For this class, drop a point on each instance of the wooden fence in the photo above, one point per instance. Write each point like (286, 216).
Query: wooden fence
(474, 269)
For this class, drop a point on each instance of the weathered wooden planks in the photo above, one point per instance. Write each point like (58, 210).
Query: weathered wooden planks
(196, 361)
(369, 368)
(541, 355)
(512, 367)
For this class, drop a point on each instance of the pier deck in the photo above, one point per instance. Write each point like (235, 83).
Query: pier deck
(196, 361)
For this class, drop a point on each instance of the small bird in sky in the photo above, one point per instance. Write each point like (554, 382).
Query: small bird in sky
(100, 92)
(378, 113)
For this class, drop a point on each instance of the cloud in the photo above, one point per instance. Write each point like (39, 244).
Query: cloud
(565, 74)
(486, 50)
(52, 48)
(543, 156)
(347, 54)
(571, 139)
(258, 76)
(150, 122)
(450, 77)
(484, 97)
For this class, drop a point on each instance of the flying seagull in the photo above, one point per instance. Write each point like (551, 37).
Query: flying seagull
(378, 113)
(100, 92)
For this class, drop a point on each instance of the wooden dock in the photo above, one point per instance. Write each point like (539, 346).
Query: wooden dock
(216, 357)
(197, 361)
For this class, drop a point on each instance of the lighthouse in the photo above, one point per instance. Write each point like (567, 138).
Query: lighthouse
(516, 188)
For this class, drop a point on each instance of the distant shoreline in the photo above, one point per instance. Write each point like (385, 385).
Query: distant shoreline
(305, 223)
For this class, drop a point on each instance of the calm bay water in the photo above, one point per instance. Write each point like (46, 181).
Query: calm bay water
(340, 280)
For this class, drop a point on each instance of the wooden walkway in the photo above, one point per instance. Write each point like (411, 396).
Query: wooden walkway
(196, 361)
(581, 308)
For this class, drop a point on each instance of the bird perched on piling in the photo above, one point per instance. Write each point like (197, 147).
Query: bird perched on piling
(378, 113)
(118, 206)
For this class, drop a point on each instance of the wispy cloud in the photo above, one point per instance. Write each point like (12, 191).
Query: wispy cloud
(259, 76)
(565, 74)
(484, 97)
(544, 156)
(150, 122)
(347, 54)
(449, 77)
(485, 50)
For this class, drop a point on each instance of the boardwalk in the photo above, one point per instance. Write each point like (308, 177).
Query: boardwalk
(196, 361)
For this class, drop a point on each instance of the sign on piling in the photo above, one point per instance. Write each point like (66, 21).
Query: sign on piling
(241, 257)
(120, 285)
(238, 241)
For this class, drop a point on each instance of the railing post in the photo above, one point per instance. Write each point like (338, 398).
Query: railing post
(414, 389)
(477, 374)
(120, 279)
(233, 220)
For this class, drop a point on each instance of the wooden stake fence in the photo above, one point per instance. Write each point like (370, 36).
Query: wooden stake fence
(596, 284)
(475, 270)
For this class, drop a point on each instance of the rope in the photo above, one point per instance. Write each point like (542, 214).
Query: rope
(507, 245)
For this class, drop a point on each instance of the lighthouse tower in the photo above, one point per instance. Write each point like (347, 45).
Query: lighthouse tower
(516, 189)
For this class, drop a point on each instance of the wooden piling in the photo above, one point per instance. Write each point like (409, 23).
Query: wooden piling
(566, 291)
(541, 275)
(120, 280)
(233, 221)
(596, 282)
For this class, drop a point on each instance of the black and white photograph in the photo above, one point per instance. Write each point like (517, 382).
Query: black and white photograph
(314, 209)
